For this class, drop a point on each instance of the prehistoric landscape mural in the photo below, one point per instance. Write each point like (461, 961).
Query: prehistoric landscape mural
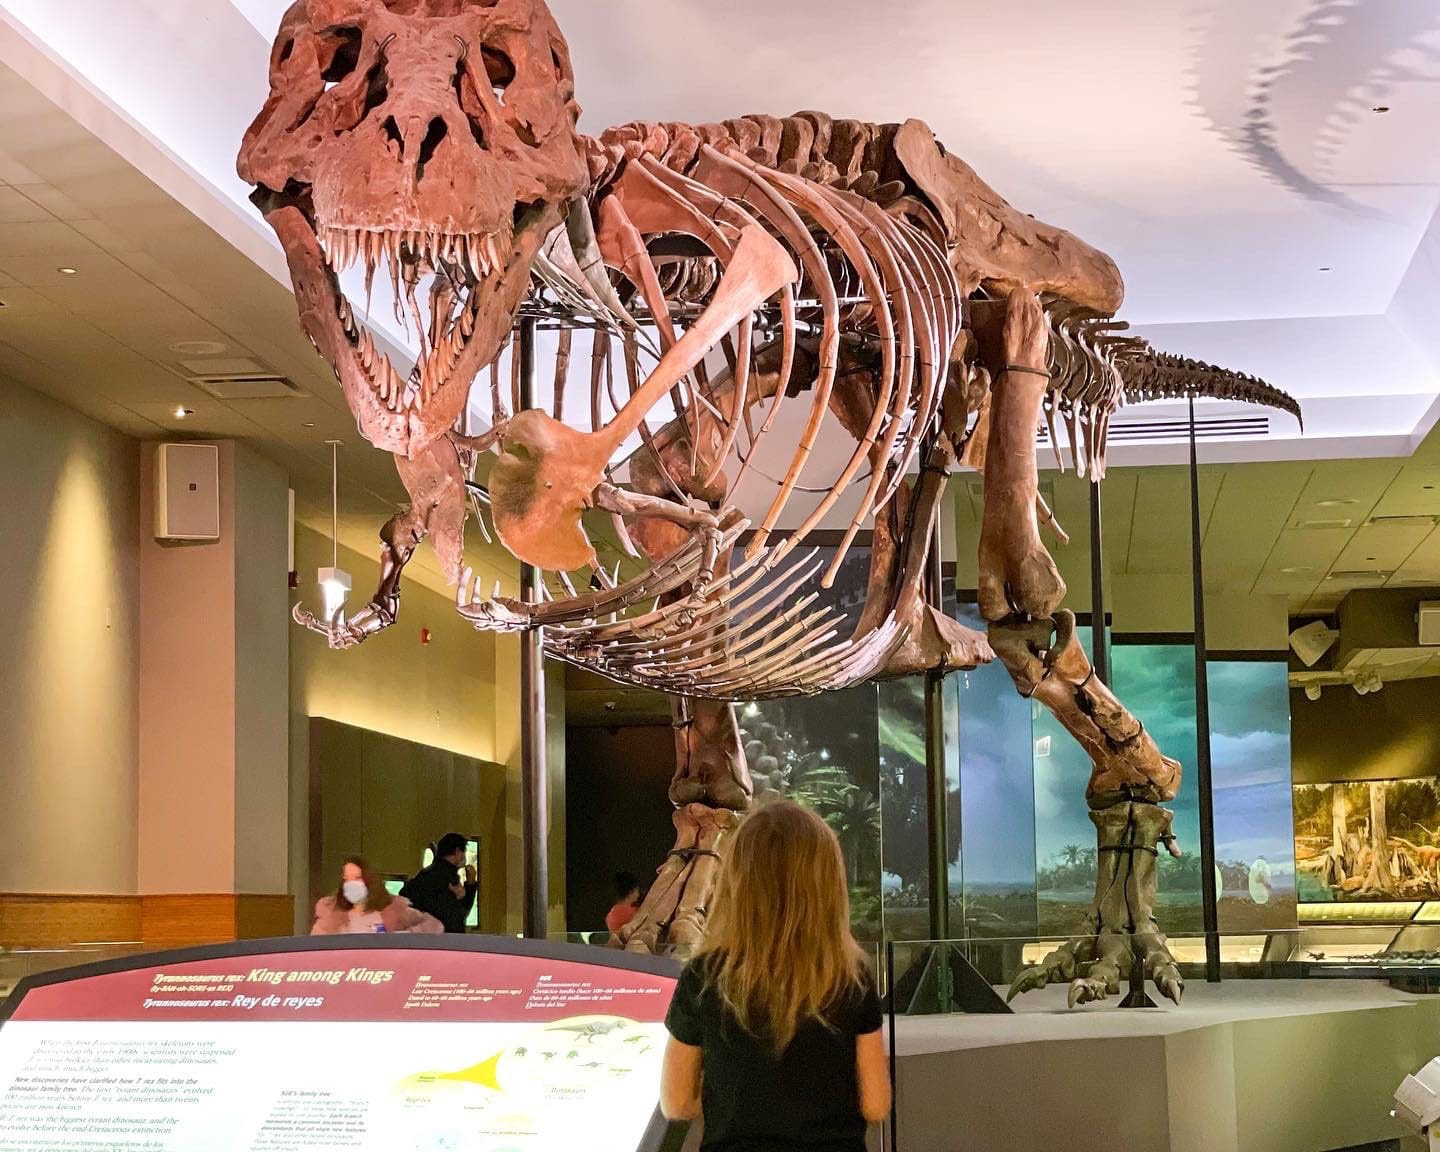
(1368, 840)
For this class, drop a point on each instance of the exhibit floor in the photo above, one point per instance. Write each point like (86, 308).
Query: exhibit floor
(1248, 1066)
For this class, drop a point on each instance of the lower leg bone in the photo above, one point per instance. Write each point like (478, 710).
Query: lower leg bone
(673, 913)
(1129, 778)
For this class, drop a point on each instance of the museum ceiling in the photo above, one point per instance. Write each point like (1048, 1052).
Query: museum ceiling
(1226, 153)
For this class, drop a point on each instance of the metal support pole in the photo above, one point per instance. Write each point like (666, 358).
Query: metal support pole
(1204, 786)
(937, 792)
(1099, 648)
(534, 782)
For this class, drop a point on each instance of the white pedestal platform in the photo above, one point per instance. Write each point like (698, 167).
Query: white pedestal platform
(1245, 1066)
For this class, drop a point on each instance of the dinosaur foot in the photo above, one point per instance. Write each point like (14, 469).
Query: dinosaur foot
(672, 918)
(1095, 965)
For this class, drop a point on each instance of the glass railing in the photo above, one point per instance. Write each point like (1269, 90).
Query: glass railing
(16, 964)
(929, 976)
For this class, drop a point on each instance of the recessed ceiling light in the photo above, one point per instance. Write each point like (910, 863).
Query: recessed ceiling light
(199, 347)
(67, 271)
(1339, 503)
(181, 413)
(308, 424)
(1300, 570)
(1381, 108)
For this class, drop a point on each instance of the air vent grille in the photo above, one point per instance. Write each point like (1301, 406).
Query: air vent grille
(1206, 428)
(1404, 521)
(1359, 577)
(257, 386)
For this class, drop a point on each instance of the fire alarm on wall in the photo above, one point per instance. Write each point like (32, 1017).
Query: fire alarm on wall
(424, 636)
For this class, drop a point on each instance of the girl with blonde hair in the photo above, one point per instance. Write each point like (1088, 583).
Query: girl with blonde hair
(775, 1026)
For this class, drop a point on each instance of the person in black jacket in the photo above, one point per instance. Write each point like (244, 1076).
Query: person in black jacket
(442, 889)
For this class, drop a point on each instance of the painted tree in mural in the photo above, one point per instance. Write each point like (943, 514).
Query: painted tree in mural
(858, 270)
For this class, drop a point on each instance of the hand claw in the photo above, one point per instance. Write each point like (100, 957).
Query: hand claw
(496, 615)
(344, 634)
(307, 619)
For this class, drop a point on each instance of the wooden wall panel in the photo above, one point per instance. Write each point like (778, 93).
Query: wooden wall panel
(187, 920)
(391, 817)
(260, 917)
(335, 800)
(37, 920)
(45, 920)
(387, 798)
(183, 921)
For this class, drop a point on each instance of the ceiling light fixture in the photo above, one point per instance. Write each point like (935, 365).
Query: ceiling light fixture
(334, 581)
(308, 424)
(67, 271)
(1338, 502)
(1368, 682)
(199, 348)
(1298, 570)
(181, 413)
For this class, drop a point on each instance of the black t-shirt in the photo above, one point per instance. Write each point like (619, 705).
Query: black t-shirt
(808, 1098)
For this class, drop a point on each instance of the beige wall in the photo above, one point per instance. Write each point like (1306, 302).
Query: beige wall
(69, 523)
(214, 775)
(262, 667)
(187, 701)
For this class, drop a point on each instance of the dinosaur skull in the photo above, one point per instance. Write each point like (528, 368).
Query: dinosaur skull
(433, 141)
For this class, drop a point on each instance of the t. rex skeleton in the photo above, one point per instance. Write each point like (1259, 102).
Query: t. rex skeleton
(746, 264)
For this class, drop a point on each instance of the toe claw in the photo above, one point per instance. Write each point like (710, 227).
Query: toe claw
(1087, 990)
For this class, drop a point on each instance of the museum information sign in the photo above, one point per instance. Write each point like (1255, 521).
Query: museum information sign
(375, 1045)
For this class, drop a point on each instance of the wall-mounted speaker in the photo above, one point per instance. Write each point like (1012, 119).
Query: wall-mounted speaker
(1428, 618)
(187, 492)
(1312, 641)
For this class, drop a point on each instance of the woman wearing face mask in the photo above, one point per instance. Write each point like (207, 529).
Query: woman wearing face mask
(362, 904)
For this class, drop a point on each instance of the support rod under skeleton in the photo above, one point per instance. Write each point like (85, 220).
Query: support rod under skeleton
(938, 792)
(1208, 895)
(1099, 645)
(534, 784)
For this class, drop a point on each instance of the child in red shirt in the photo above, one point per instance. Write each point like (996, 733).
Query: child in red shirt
(627, 902)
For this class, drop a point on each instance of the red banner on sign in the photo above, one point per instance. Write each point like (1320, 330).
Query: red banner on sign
(362, 985)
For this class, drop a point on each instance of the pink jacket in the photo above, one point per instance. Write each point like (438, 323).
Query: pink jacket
(399, 916)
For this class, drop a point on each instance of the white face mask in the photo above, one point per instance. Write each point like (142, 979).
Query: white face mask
(355, 891)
